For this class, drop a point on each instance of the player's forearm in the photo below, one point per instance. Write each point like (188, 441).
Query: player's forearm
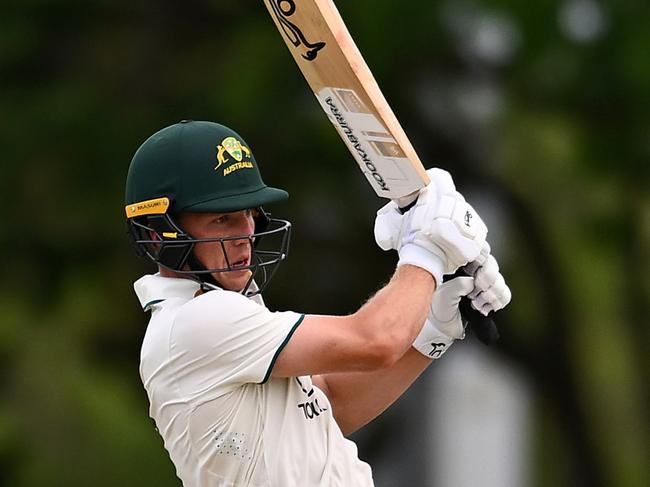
(359, 397)
(395, 315)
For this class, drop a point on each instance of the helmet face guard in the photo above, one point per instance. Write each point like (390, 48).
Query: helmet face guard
(162, 240)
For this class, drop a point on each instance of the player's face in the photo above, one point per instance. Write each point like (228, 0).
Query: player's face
(211, 254)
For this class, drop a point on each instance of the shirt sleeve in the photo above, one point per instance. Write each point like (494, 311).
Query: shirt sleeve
(223, 339)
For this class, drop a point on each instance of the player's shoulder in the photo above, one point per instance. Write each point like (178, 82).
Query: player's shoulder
(215, 317)
(223, 297)
(218, 306)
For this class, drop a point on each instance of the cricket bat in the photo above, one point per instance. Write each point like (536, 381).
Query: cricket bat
(335, 70)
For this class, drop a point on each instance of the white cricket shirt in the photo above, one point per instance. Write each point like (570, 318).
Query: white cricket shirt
(206, 362)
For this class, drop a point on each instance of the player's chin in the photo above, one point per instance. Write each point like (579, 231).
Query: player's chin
(235, 280)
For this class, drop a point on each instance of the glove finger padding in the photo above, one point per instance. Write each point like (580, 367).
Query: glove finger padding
(388, 226)
(471, 268)
(450, 223)
(487, 274)
(441, 180)
(491, 293)
(494, 298)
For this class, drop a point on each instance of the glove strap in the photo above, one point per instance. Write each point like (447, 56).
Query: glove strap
(431, 343)
(418, 256)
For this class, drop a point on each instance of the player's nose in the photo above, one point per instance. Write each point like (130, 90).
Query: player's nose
(244, 225)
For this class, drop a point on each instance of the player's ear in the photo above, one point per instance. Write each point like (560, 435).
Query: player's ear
(262, 219)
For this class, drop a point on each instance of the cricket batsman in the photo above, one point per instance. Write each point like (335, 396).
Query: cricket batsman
(246, 396)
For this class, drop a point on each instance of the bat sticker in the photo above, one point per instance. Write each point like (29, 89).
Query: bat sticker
(286, 8)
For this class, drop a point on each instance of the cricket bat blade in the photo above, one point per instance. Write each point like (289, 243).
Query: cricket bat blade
(348, 93)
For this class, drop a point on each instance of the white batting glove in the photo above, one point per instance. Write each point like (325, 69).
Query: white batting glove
(444, 323)
(440, 233)
(491, 293)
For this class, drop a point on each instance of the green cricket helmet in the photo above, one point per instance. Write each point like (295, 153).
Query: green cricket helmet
(200, 167)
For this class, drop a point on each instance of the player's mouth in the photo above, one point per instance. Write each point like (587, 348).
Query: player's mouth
(241, 263)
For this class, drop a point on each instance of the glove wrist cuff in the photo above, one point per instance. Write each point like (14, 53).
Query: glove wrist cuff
(418, 256)
(431, 343)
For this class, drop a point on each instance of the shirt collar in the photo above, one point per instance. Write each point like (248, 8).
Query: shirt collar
(154, 288)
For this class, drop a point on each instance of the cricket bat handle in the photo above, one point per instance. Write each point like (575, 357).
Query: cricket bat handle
(483, 327)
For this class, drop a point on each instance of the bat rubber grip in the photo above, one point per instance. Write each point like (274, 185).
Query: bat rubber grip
(483, 326)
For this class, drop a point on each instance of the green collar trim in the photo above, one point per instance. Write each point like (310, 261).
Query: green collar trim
(152, 303)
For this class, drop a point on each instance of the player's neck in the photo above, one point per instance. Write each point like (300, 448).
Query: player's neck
(169, 273)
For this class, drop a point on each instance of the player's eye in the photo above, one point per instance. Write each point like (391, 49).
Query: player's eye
(220, 219)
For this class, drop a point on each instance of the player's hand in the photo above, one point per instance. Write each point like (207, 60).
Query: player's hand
(440, 233)
(491, 293)
(444, 323)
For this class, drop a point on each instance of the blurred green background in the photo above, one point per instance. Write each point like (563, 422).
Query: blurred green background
(539, 110)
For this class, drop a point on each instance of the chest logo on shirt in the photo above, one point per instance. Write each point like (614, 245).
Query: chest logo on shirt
(310, 408)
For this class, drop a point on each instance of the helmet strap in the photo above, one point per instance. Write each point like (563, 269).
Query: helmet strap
(203, 277)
